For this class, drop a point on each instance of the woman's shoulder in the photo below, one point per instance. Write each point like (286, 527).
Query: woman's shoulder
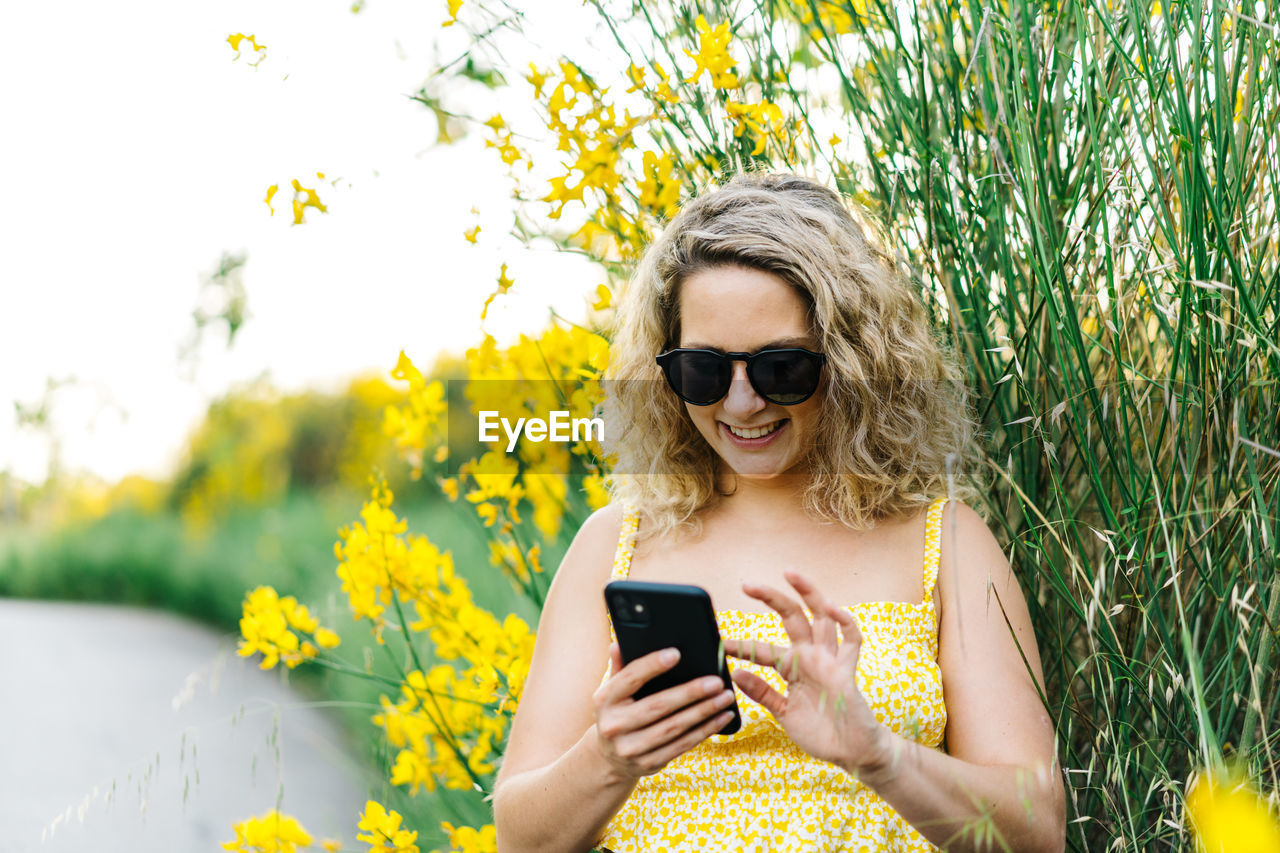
(963, 521)
(590, 555)
(971, 557)
(584, 570)
(603, 526)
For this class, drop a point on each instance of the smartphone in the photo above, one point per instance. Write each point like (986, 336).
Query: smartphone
(652, 616)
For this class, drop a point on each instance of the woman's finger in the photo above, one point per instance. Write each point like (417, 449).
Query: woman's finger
(615, 659)
(794, 619)
(664, 754)
(850, 632)
(765, 654)
(782, 658)
(759, 691)
(664, 703)
(631, 677)
(825, 633)
(806, 589)
(842, 616)
(655, 733)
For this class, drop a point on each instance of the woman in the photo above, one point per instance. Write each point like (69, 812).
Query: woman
(788, 453)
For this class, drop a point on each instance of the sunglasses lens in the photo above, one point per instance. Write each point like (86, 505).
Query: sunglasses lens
(785, 378)
(701, 378)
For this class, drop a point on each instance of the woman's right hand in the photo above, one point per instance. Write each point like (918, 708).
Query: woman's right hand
(640, 736)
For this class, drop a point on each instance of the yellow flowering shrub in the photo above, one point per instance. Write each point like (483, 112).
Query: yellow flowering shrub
(273, 832)
(272, 625)
(382, 832)
(713, 56)
(466, 839)
(758, 122)
(378, 561)
(419, 425)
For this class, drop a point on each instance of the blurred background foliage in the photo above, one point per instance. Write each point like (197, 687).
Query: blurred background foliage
(263, 483)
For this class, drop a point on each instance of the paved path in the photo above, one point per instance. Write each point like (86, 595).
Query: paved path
(131, 730)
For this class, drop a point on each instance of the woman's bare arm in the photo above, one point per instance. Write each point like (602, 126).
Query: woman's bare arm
(577, 746)
(999, 785)
(555, 791)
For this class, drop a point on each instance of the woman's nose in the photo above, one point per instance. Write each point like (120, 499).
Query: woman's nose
(742, 400)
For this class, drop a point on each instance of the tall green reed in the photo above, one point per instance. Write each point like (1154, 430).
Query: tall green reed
(1090, 192)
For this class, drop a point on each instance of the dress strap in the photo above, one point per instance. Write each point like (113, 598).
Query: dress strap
(932, 546)
(626, 542)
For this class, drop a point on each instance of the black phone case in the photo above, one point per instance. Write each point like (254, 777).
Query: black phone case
(677, 615)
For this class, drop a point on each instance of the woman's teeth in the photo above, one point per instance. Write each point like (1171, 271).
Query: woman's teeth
(759, 432)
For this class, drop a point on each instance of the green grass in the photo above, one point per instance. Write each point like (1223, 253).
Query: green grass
(131, 557)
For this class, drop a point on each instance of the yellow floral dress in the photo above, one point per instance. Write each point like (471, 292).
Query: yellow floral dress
(755, 790)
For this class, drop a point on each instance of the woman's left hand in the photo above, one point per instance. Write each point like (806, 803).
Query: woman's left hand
(823, 710)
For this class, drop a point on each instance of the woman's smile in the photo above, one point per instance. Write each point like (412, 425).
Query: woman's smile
(753, 437)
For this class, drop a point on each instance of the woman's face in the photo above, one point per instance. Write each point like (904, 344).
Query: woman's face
(737, 309)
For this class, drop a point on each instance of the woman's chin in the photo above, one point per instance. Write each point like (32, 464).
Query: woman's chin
(761, 469)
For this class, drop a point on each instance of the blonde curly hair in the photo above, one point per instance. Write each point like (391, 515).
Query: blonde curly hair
(894, 406)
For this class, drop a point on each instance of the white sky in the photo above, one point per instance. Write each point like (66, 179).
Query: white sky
(136, 151)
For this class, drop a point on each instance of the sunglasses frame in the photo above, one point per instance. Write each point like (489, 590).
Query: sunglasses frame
(666, 358)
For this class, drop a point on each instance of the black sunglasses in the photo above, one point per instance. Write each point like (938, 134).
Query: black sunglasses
(782, 376)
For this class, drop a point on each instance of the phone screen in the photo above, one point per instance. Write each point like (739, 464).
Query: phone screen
(651, 616)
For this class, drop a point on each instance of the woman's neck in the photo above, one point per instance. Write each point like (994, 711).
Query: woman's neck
(766, 500)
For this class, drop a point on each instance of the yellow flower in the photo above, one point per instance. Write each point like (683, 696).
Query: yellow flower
(660, 187)
(604, 298)
(713, 55)
(762, 120)
(327, 639)
(537, 79)
(1228, 816)
(450, 488)
(665, 92)
(273, 832)
(454, 6)
(421, 423)
(471, 234)
(466, 839)
(506, 149)
(271, 191)
(834, 16)
(268, 624)
(332, 845)
(259, 50)
(304, 198)
(504, 284)
(834, 140)
(597, 495)
(377, 560)
(636, 75)
(384, 832)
